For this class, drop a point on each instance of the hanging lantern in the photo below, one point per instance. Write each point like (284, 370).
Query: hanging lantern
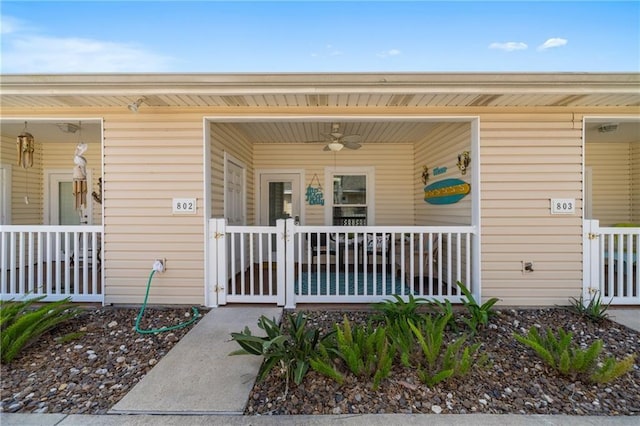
(25, 146)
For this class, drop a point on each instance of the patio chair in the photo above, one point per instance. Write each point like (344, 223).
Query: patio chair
(379, 245)
(320, 246)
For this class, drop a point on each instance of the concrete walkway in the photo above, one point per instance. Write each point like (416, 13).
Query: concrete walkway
(627, 316)
(198, 376)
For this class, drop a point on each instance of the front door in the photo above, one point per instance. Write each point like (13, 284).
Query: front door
(279, 198)
(234, 202)
(60, 206)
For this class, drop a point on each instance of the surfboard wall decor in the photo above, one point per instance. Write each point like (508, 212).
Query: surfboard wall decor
(446, 191)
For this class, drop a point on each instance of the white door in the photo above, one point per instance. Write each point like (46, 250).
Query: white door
(60, 206)
(234, 204)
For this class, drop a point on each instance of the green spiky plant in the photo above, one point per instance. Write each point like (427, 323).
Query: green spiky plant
(290, 349)
(595, 310)
(560, 353)
(440, 360)
(480, 314)
(399, 308)
(22, 322)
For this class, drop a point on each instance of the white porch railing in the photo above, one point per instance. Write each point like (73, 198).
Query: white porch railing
(611, 263)
(289, 264)
(52, 261)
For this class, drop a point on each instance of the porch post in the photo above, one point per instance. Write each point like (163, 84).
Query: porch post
(281, 266)
(288, 263)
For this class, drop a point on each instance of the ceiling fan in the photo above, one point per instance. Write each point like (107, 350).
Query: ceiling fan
(337, 140)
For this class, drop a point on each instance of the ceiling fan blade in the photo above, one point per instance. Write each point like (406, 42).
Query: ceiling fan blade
(351, 138)
(352, 145)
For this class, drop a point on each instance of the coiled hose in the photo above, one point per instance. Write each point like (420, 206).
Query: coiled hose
(196, 314)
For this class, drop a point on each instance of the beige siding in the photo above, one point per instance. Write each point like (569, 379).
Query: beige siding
(440, 149)
(611, 193)
(394, 198)
(527, 159)
(24, 182)
(149, 160)
(226, 139)
(635, 182)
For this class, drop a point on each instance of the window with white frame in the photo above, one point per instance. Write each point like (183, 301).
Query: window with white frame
(351, 197)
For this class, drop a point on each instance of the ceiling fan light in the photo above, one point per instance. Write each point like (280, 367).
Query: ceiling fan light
(335, 146)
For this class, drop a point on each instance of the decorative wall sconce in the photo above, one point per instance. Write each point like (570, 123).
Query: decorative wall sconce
(464, 159)
(425, 174)
(25, 146)
(97, 195)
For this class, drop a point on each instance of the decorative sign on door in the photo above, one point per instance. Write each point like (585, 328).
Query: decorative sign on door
(314, 195)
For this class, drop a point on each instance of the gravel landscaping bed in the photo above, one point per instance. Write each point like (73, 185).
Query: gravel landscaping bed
(517, 381)
(90, 374)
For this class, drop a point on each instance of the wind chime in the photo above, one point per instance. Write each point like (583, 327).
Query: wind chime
(25, 146)
(80, 174)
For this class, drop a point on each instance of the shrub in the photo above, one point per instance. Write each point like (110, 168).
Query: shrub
(480, 314)
(595, 310)
(292, 349)
(439, 363)
(399, 309)
(21, 323)
(570, 360)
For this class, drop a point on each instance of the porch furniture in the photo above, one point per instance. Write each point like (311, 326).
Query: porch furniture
(404, 259)
(320, 246)
(379, 245)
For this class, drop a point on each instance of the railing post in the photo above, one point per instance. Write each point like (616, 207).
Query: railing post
(286, 273)
(590, 259)
(219, 238)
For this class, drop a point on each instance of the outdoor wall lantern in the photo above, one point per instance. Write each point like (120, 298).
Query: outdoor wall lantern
(464, 159)
(26, 147)
(133, 106)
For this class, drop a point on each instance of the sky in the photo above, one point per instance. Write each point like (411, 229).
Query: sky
(51, 37)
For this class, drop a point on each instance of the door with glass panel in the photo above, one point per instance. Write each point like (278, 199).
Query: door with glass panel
(279, 198)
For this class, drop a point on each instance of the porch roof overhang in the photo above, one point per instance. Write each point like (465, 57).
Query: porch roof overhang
(323, 90)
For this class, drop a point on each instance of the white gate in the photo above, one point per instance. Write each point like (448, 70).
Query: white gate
(611, 267)
(288, 264)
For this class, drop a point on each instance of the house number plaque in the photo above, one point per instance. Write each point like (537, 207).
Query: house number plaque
(563, 205)
(184, 206)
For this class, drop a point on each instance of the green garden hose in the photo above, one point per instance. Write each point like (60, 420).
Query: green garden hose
(163, 329)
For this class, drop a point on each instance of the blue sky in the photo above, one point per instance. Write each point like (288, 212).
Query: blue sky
(326, 36)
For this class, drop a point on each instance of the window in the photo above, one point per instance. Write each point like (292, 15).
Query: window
(351, 198)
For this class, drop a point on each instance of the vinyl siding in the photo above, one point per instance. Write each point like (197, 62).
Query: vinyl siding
(24, 182)
(440, 150)
(393, 168)
(225, 138)
(635, 182)
(149, 160)
(527, 159)
(611, 194)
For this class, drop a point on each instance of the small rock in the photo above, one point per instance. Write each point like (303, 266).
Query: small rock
(120, 359)
(153, 361)
(436, 409)
(101, 371)
(112, 324)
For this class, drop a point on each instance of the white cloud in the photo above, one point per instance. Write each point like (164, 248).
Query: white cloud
(25, 50)
(391, 52)
(41, 54)
(9, 24)
(509, 46)
(553, 42)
